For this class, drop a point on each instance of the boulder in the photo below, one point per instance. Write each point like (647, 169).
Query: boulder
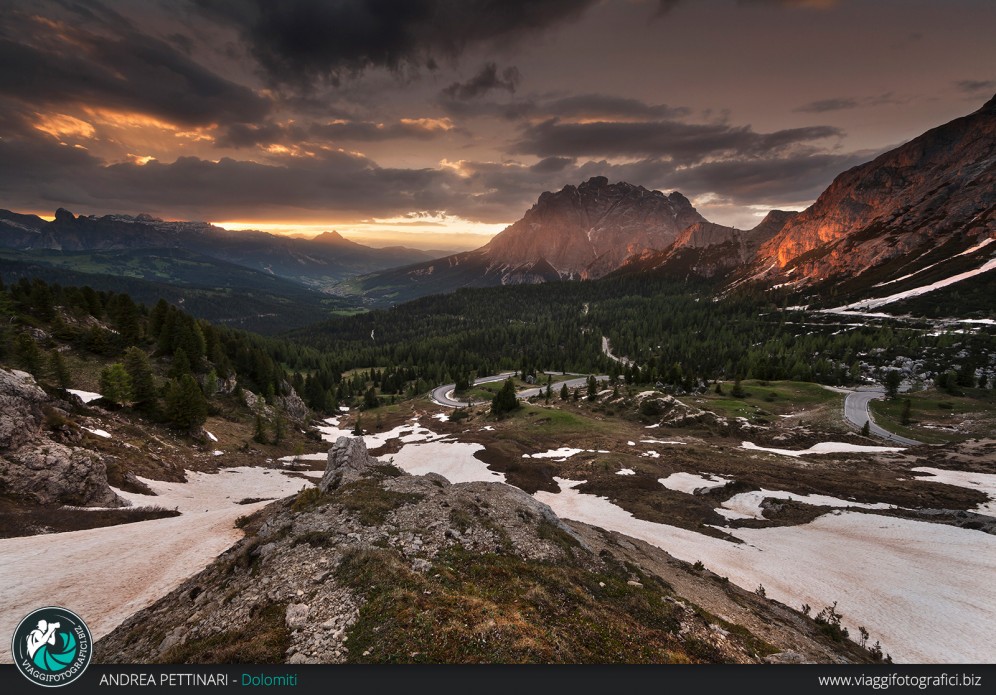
(348, 460)
(51, 473)
(294, 408)
(35, 467)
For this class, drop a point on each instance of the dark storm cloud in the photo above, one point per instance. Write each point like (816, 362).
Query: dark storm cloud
(975, 86)
(592, 105)
(38, 170)
(681, 142)
(299, 42)
(250, 135)
(607, 106)
(845, 103)
(551, 165)
(483, 82)
(824, 105)
(766, 181)
(792, 4)
(58, 65)
(665, 6)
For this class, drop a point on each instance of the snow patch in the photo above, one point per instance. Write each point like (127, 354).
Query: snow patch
(211, 436)
(561, 454)
(693, 483)
(747, 505)
(625, 471)
(824, 448)
(100, 433)
(454, 461)
(916, 291)
(109, 573)
(983, 482)
(916, 586)
(85, 396)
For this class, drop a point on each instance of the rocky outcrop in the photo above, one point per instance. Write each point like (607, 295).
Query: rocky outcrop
(348, 460)
(32, 465)
(293, 407)
(383, 566)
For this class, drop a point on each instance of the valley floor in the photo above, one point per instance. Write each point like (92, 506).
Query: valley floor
(921, 588)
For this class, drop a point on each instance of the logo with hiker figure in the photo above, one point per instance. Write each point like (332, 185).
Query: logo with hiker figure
(52, 646)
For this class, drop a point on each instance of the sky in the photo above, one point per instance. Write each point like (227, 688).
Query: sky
(436, 123)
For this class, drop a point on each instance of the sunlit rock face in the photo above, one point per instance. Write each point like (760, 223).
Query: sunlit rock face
(589, 230)
(939, 187)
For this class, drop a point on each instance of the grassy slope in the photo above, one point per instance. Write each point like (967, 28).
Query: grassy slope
(937, 417)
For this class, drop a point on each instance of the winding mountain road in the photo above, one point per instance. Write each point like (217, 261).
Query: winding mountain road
(443, 395)
(856, 412)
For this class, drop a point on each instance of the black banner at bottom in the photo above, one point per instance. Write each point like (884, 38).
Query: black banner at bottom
(517, 680)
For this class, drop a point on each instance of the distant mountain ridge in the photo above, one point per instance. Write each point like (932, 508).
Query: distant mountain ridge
(318, 262)
(930, 202)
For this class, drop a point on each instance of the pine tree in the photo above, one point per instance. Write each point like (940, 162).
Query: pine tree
(115, 384)
(866, 428)
(143, 383)
(370, 399)
(358, 427)
(60, 372)
(592, 387)
(259, 434)
(280, 428)
(565, 392)
(186, 406)
(892, 381)
(738, 390)
(505, 400)
(29, 354)
(181, 364)
(211, 384)
(907, 408)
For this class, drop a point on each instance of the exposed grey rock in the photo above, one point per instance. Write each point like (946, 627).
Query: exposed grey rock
(348, 460)
(297, 615)
(293, 407)
(20, 408)
(35, 467)
(48, 472)
(786, 657)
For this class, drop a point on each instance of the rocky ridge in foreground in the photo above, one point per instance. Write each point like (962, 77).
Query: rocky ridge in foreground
(38, 457)
(375, 565)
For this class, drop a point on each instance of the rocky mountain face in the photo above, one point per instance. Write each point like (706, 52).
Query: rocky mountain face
(38, 461)
(588, 230)
(708, 250)
(578, 232)
(375, 565)
(327, 258)
(937, 189)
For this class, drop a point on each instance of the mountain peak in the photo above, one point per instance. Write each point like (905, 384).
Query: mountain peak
(332, 237)
(588, 230)
(63, 215)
